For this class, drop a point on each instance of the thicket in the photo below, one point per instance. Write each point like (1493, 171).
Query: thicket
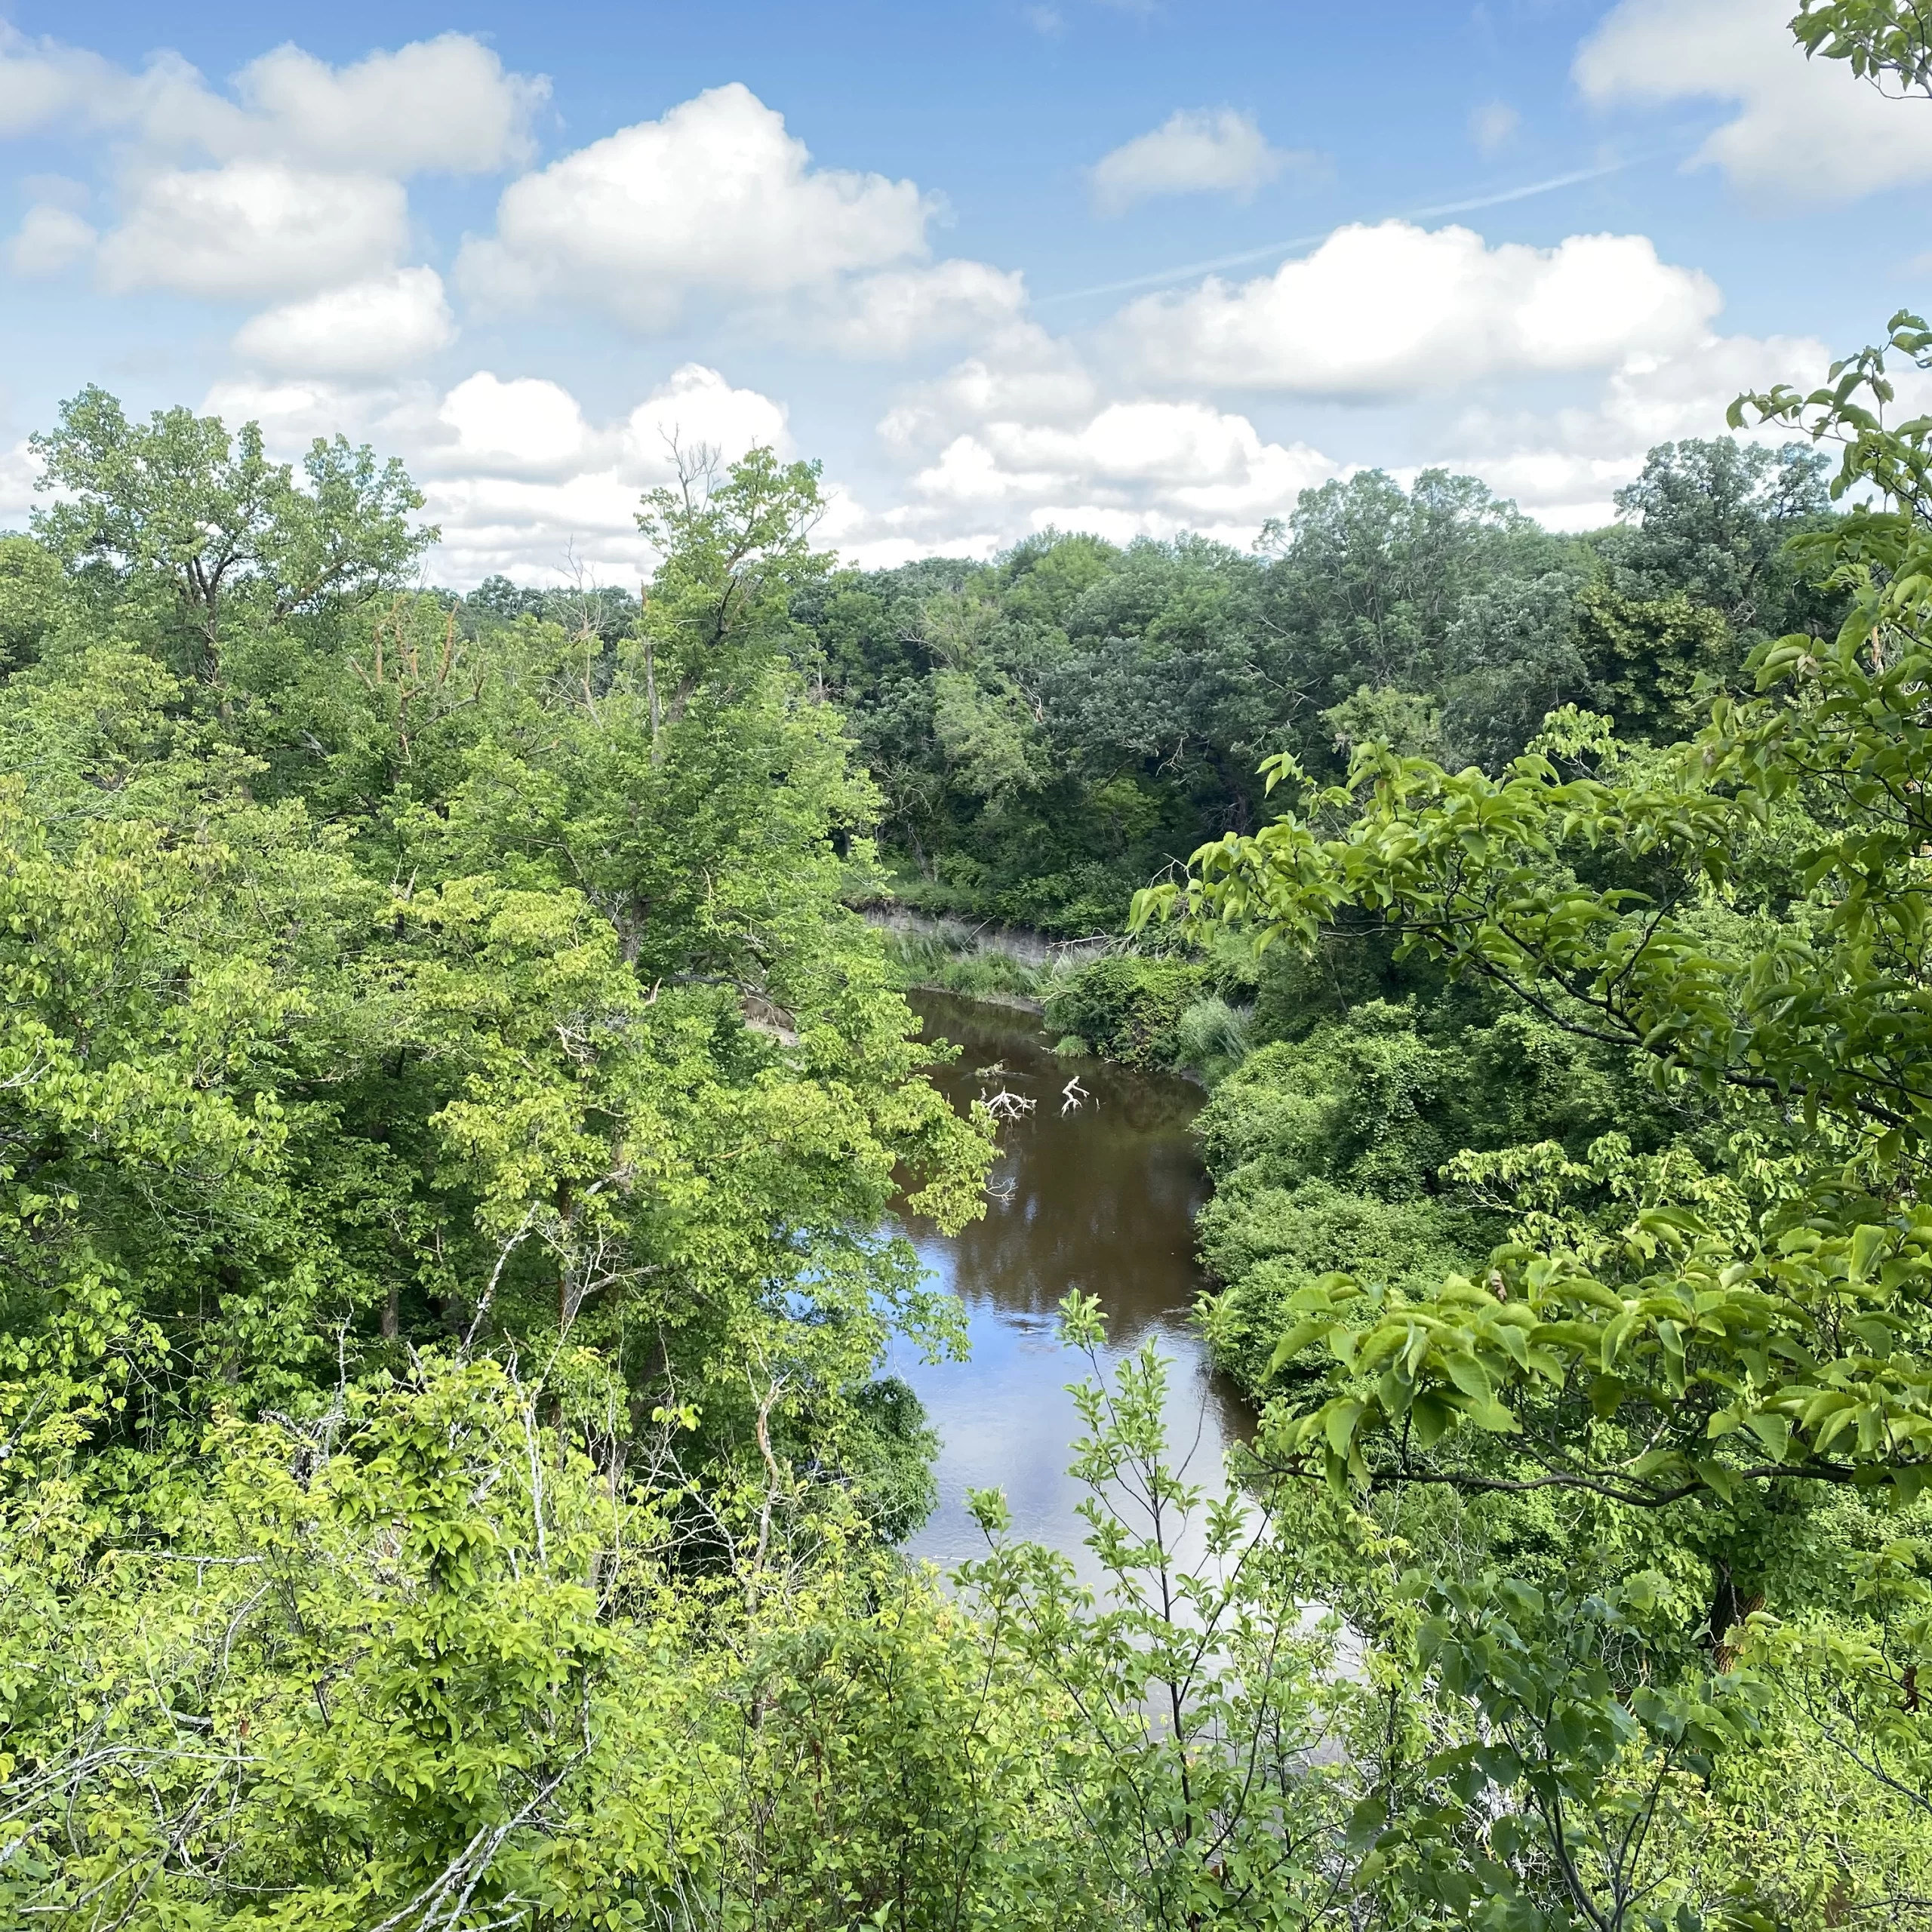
(1602, 1249)
(1050, 730)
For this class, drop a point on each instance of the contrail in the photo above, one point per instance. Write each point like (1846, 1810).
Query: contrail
(1181, 273)
(1523, 194)
(1161, 277)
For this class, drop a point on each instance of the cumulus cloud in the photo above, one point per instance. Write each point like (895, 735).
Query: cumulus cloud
(715, 197)
(1132, 469)
(1142, 465)
(50, 238)
(513, 494)
(253, 228)
(1194, 151)
(890, 315)
(1804, 132)
(446, 104)
(443, 104)
(697, 405)
(368, 328)
(290, 184)
(1564, 466)
(519, 478)
(526, 427)
(1026, 434)
(1023, 374)
(1395, 308)
(44, 83)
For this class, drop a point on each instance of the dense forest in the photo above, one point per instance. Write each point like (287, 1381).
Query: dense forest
(1050, 730)
(456, 1111)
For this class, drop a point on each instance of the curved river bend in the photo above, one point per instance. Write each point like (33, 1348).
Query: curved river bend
(1100, 1197)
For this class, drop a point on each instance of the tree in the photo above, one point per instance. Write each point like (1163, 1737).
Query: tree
(1207, 1776)
(1651, 662)
(1645, 908)
(177, 521)
(734, 554)
(1709, 520)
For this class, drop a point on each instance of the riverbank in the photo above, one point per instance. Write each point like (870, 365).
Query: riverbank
(1099, 995)
(1008, 966)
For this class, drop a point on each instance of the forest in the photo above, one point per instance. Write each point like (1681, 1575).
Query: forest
(459, 1105)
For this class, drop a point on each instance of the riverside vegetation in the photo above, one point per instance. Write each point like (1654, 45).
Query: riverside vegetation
(449, 1106)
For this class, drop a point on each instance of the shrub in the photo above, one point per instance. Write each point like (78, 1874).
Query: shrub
(1129, 1008)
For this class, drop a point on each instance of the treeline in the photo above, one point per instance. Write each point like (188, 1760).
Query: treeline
(1050, 730)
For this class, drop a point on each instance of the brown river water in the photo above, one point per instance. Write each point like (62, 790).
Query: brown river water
(1100, 1197)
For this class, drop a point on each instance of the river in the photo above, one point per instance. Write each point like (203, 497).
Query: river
(1100, 1197)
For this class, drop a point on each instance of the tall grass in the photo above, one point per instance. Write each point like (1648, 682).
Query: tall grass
(1212, 1036)
(959, 965)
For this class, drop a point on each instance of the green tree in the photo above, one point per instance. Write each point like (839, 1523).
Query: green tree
(1710, 519)
(1887, 42)
(1205, 1769)
(176, 523)
(1652, 662)
(1740, 1331)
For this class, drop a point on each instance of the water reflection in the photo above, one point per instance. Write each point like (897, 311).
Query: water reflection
(1100, 1199)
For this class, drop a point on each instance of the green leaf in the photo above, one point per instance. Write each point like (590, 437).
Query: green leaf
(1339, 1422)
(1773, 1430)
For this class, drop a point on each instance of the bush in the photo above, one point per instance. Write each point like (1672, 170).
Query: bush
(1266, 1244)
(1129, 1008)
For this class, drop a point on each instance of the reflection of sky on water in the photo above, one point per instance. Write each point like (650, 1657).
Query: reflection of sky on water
(1101, 1199)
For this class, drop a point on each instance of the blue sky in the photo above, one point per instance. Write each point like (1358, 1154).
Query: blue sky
(957, 254)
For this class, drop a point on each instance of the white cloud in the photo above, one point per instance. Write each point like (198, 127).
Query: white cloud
(1564, 466)
(885, 316)
(305, 191)
(1025, 434)
(531, 484)
(1396, 309)
(697, 405)
(368, 328)
(1194, 151)
(1493, 126)
(43, 83)
(1022, 435)
(1131, 469)
(1806, 131)
(1023, 374)
(519, 479)
(445, 103)
(526, 427)
(19, 470)
(51, 239)
(716, 196)
(253, 228)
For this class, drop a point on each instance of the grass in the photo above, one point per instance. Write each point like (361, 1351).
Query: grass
(960, 962)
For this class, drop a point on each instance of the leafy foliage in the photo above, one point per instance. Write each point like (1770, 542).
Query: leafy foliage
(1050, 730)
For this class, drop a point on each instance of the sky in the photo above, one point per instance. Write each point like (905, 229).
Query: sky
(1134, 266)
